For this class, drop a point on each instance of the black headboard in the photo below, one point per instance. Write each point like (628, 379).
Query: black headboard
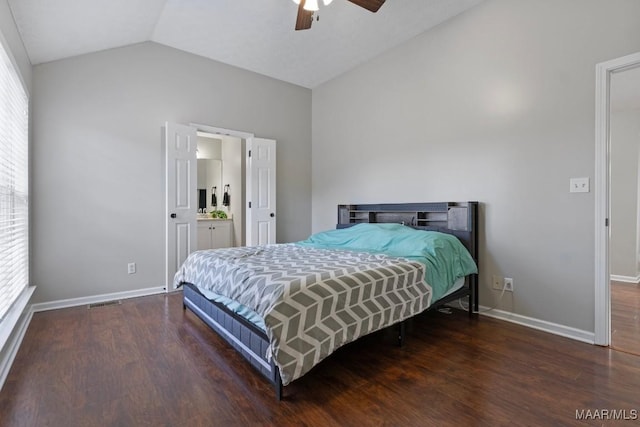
(457, 218)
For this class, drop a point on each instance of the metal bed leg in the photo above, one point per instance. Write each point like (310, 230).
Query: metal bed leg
(401, 333)
(278, 384)
(476, 299)
(473, 295)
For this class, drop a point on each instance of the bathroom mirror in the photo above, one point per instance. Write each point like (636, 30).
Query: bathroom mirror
(210, 178)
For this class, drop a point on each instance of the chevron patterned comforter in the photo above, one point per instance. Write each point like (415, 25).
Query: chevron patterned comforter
(312, 300)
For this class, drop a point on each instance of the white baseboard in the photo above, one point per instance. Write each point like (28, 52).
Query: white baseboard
(74, 302)
(542, 325)
(11, 344)
(625, 279)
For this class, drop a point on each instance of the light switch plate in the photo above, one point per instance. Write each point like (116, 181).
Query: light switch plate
(579, 185)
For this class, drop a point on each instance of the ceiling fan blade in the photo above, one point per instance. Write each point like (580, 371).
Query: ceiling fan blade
(305, 17)
(371, 5)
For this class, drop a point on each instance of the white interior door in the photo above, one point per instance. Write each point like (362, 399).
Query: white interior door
(181, 201)
(261, 192)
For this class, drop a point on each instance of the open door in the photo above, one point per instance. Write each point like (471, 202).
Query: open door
(180, 146)
(261, 191)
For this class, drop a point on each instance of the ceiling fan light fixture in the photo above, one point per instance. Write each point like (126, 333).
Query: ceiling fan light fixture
(307, 10)
(314, 3)
(311, 5)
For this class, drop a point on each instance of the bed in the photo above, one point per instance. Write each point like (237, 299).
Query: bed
(286, 307)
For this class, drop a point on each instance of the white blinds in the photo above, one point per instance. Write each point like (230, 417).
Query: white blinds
(14, 185)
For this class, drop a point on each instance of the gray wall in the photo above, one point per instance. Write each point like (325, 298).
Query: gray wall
(495, 105)
(233, 171)
(625, 141)
(97, 197)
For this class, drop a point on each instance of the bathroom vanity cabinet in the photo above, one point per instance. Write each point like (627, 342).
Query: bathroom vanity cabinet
(214, 233)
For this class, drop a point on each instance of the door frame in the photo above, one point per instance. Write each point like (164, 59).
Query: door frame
(602, 312)
(222, 131)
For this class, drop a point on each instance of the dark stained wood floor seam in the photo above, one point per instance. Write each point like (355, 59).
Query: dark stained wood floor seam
(148, 362)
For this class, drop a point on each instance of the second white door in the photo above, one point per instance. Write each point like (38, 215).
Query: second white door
(181, 202)
(261, 192)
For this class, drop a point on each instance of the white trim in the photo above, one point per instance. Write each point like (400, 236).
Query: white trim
(222, 131)
(10, 320)
(602, 309)
(14, 324)
(541, 325)
(637, 265)
(626, 279)
(74, 302)
(14, 345)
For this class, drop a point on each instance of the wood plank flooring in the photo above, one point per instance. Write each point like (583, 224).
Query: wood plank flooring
(148, 362)
(625, 317)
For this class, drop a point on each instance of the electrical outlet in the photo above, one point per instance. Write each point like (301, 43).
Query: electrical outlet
(508, 284)
(579, 185)
(497, 283)
(131, 267)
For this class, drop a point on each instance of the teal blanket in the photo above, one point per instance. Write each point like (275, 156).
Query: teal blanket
(445, 258)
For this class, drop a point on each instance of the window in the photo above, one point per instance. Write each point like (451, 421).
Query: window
(14, 185)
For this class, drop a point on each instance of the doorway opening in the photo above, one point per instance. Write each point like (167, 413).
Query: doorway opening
(624, 152)
(186, 204)
(617, 200)
(221, 182)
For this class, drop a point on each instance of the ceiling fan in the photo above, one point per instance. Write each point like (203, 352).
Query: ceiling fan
(306, 9)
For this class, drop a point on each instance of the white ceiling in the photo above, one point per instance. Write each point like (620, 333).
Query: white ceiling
(256, 35)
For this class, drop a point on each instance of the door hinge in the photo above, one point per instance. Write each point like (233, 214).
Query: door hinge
(249, 205)
(606, 222)
(249, 153)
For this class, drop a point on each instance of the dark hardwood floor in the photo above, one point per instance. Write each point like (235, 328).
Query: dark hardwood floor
(625, 317)
(148, 362)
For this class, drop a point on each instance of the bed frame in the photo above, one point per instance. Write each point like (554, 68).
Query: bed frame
(457, 218)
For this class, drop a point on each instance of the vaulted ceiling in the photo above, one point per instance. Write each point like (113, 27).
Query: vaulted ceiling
(256, 35)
